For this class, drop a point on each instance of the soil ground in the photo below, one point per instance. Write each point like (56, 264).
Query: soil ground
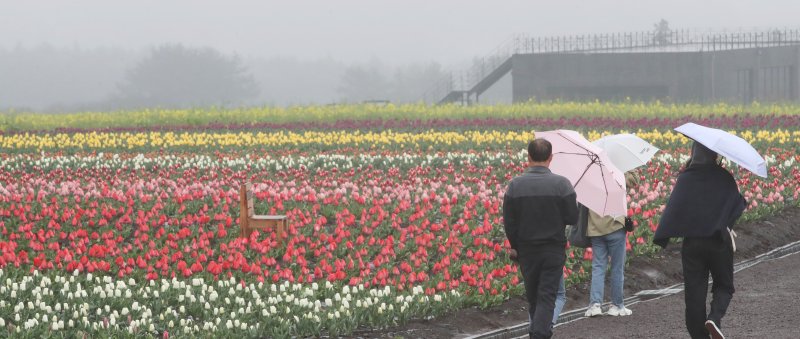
(763, 306)
(660, 271)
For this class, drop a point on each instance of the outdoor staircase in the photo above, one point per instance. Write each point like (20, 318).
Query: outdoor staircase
(455, 96)
(491, 78)
(474, 90)
(467, 87)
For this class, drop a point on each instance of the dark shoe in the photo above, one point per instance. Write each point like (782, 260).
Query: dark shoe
(713, 330)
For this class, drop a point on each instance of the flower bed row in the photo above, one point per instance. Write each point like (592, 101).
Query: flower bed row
(745, 121)
(268, 142)
(567, 113)
(421, 225)
(58, 305)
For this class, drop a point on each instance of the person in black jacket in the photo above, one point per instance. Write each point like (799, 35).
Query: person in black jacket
(703, 206)
(537, 206)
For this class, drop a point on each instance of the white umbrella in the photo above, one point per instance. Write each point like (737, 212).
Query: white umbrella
(599, 185)
(728, 145)
(627, 151)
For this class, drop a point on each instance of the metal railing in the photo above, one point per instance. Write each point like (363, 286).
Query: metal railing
(630, 42)
(672, 40)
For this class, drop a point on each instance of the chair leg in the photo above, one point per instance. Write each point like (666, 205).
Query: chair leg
(281, 230)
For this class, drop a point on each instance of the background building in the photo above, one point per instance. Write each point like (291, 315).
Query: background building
(672, 66)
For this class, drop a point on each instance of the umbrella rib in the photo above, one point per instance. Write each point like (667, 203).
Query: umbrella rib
(570, 153)
(593, 157)
(605, 188)
(595, 160)
(574, 143)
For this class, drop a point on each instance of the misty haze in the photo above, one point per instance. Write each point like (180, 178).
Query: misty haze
(399, 169)
(83, 55)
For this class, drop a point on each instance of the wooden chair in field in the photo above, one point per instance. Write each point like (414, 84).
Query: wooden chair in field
(249, 221)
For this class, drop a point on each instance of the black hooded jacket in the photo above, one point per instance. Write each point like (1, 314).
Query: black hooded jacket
(705, 199)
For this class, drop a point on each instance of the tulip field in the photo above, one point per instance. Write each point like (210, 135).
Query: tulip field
(130, 228)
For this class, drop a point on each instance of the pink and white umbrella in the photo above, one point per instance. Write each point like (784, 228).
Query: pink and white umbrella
(599, 185)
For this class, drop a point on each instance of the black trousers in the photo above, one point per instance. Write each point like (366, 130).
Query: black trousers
(701, 256)
(541, 271)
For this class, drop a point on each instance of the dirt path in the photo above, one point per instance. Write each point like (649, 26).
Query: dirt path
(765, 305)
(661, 271)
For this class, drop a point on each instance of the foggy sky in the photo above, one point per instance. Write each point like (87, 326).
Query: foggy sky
(445, 31)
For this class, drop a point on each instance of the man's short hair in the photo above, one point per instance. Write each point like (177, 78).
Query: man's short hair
(540, 150)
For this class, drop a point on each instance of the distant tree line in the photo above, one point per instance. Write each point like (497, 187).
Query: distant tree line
(48, 78)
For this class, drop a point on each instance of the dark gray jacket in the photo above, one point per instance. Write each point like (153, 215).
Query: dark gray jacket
(536, 209)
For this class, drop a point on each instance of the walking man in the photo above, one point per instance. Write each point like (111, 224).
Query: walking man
(536, 209)
(703, 206)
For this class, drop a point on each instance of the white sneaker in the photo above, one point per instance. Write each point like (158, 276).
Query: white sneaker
(619, 311)
(594, 310)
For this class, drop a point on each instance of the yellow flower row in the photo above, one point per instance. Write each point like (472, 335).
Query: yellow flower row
(244, 139)
(130, 140)
(671, 137)
(22, 121)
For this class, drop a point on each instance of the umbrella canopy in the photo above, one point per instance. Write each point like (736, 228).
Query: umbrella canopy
(599, 185)
(728, 145)
(627, 151)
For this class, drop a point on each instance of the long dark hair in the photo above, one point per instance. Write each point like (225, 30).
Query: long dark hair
(696, 146)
